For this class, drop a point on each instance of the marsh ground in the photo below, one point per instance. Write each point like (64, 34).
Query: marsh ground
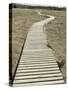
(22, 19)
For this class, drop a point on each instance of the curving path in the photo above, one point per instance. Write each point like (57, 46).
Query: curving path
(37, 65)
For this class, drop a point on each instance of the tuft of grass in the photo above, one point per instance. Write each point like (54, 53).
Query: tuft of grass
(49, 46)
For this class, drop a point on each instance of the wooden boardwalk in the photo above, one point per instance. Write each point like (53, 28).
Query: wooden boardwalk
(37, 65)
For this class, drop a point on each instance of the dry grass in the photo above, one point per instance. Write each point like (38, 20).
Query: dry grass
(22, 19)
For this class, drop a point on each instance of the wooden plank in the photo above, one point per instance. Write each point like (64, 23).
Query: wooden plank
(38, 61)
(37, 69)
(37, 66)
(39, 83)
(36, 76)
(35, 73)
(38, 80)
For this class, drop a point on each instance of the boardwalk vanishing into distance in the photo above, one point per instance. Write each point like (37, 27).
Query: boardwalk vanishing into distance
(38, 64)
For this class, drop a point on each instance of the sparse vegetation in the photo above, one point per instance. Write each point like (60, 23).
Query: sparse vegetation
(15, 5)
